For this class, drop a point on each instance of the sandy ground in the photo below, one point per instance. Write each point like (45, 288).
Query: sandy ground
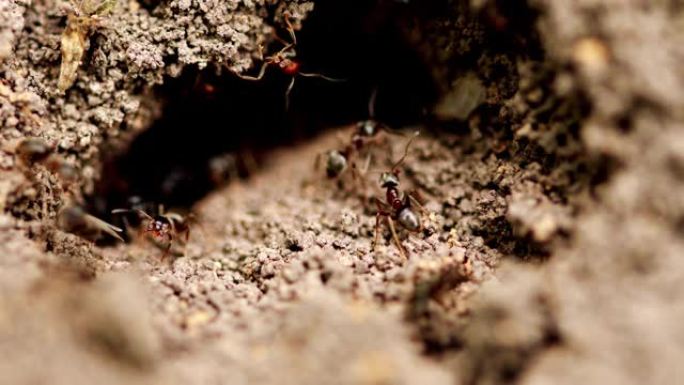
(552, 241)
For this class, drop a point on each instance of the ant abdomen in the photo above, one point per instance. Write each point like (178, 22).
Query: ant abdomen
(367, 128)
(408, 219)
(336, 164)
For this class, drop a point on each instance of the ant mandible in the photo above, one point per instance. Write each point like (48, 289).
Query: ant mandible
(163, 227)
(285, 59)
(397, 207)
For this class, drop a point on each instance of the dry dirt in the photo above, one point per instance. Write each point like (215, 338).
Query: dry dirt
(551, 168)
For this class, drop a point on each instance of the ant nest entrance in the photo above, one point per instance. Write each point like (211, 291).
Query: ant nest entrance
(215, 127)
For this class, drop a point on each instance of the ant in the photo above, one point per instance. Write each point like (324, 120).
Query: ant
(365, 132)
(285, 59)
(163, 227)
(397, 207)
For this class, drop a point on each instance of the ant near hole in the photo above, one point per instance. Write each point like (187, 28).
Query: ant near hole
(365, 132)
(397, 207)
(164, 227)
(285, 60)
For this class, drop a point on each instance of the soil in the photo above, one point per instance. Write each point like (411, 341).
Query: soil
(550, 164)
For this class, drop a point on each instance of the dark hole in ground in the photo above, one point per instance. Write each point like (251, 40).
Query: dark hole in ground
(233, 124)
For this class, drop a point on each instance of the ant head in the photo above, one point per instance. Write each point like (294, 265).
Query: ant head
(337, 163)
(389, 179)
(156, 226)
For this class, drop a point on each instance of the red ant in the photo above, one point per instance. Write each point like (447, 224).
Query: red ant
(397, 207)
(163, 227)
(285, 59)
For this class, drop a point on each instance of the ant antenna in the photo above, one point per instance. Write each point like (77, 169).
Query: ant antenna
(288, 92)
(390, 130)
(371, 103)
(290, 29)
(315, 75)
(408, 144)
(376, 171)
(138, 211)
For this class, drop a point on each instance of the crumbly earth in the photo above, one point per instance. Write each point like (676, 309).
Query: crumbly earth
(552, 241)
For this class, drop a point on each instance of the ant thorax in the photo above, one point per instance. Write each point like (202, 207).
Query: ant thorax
(289, 66)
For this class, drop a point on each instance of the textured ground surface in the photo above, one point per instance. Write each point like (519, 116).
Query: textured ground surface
(552, 244)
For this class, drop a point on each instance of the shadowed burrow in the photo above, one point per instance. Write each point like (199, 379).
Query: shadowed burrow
(216, 127)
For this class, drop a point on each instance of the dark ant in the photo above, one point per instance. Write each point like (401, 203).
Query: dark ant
(365, 132)
(397, 207)
(163, 227)
(33, 150)
(36, 151)
(285, 59)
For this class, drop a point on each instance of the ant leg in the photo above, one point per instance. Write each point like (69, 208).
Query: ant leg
(412, 197)
(380, 213)
(185, 242)
(377, 221)
(287, 93)
(357, 178)
(249, 162)
(168, 248)
(359, 173)
(371, 103)
(127, 226)
(366, 165)
(340, 138)
(402, 252)
(377, 230)
(262, 71)
(290, 28)
(317, 162)
(315, 75)
(390, 130)
(281, 40)
(354, 171)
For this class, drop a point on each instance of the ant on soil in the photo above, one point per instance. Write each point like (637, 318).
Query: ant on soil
(71, 217)
(366, 132)
(164, 227)
(285, 59)
(397, 207)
